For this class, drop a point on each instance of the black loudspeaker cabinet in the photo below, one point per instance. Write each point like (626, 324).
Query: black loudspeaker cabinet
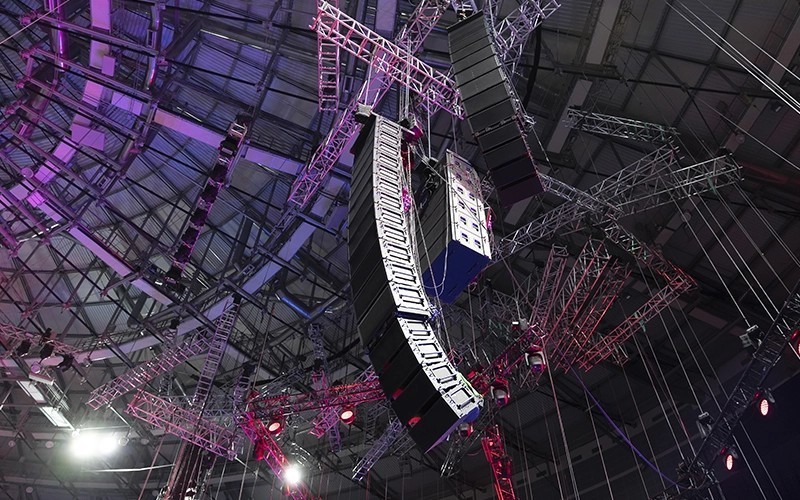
(426, 392)
(489, 104)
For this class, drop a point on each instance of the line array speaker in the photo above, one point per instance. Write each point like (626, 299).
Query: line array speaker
(490, 105)
(426, 392)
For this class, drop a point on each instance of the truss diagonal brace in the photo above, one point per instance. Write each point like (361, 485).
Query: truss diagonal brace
(400, 65)
(411, 37)
(184, 424)
(616, 126)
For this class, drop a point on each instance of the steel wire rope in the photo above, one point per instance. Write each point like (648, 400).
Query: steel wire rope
(752, 242)
(521, 437)
(739, 255)
(750, 67)
(619, 431)
(669, 395)
(743, 35)
(679, 357)
(600, 446)
(563, 436)
(792, 255)
(728, 254)
(553, 449)
(641, 422)
(656, 392)
(616, 399)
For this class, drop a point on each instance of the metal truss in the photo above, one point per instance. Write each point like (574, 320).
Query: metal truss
(216, 349)
(650, 182)
(548, 286)
(328, 419)
(267, 449)
(14, 337)
(410, 38)
(575, 292)
(512, 33)
(399, 64)
(584, 331)
(616, 126)
(184, 423)
(677, 283)
(145, 372)
(495, 452)
(511, 357)
(766, 356)
(337, 395)
(328, 64)
(378, 449)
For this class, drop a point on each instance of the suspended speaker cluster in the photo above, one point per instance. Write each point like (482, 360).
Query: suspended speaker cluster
(426, 392)
(217, 179)
(492, 110)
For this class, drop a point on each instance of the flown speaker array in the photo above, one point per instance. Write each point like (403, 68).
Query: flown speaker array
(492, 110)
(427, 393)
(455, 245)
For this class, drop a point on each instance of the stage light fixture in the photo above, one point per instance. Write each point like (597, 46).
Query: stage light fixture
(87, 445)
(292, 474)
(275, 425)
(765, 401)
(534, 358)
(704, 423)
(348, 415)
(730, 458)
(465, 429)
(500, 392)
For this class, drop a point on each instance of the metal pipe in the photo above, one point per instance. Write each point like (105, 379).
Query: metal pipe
(293, 302)
(155, 43)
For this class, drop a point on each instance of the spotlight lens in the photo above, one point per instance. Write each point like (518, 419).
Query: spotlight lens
(763, 407)
(91, 445)
(729, 461)
(292, 475)
(348, 415)
(274, 427)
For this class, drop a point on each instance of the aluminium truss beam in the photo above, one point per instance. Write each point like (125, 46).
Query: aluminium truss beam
(379, 448)
(767, 354)
(216, 348)
(145, 372)
(328, 65)
(184, 423)
(650, 182)
(310, 178)
(495, 452)
(334, 396)
(267, 449)
(616, 126)
(328, 419)
(513, 32)
(397, 63)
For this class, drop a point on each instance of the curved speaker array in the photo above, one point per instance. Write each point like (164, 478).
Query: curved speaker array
(426, 392)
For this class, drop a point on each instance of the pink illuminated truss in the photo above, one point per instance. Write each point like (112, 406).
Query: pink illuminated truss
(511, 357)
(328, 64)
(328, 418)
(502, 472)
(267, 449)
(184, 423)
(399, 64)
(334, 396)
(410, 38)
